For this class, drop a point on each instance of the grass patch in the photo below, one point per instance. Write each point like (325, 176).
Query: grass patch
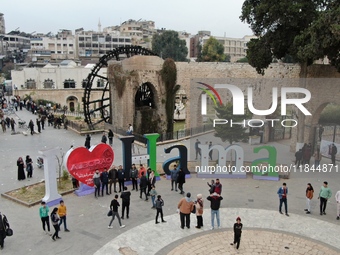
(35, 192)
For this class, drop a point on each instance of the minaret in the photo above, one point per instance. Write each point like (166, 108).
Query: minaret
(99, 27)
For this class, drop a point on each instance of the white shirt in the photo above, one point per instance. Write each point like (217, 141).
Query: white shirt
(337, 197)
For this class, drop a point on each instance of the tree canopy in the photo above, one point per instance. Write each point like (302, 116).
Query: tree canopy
(168, 45)
(226, 132)
(213, 51)
(306, 30)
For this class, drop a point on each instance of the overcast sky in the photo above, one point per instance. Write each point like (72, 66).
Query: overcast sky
(221, 17)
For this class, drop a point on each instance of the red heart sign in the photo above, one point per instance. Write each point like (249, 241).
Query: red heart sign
(82, 163)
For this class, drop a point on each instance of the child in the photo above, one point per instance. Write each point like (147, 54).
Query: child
(159, 205)
(212, 186)
(237, 233)
(153, 194)
(62, 215)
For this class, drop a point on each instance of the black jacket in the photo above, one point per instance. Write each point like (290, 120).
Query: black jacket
(215, 202)
(143, 182)
(181, 177)
(125, 196)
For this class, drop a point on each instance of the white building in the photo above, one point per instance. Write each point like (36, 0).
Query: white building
(66, 75)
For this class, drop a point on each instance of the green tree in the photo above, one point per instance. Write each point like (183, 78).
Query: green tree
(243, 60)
(168, 45)
(169, 77)
(226, 132)
(213, 51)
(306, 30)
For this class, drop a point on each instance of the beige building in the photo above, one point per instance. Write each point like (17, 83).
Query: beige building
(235, 47)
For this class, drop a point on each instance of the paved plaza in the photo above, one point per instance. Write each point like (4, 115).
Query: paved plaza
(255, 201)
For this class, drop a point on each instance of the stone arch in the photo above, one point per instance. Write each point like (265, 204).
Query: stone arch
(146, 105)
(72, 102)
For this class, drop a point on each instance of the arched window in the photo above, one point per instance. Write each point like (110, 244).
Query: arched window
(69, 84)
(48, 84)
(31, 84)
(144, 96)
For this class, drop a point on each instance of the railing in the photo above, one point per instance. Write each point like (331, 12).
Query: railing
(176, 135)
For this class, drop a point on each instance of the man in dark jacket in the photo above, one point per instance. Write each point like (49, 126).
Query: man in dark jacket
(104, 178)
(215, 202)
(4, 225)
(125, 196)
(134, 177)
(113, 179)
(181, 180)
(142, 186)
(121, 178)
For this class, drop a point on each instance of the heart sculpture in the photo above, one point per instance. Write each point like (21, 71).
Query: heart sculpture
(82, 163)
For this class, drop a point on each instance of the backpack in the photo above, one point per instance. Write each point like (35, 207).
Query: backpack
(194, 209)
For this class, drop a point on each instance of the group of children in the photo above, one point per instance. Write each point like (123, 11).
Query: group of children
(58, 217)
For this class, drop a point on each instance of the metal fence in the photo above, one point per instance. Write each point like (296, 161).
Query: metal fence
(176, 135)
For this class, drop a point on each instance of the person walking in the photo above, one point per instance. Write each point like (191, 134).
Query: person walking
(110, 135)
(333, 151)
(309, 196)
(142, 186)
(215, 203)
(88, 142)
(159, 208)
(181, 180)
(151, 180)
(174, 177)
(31, 126)
(237, 233)
(114, 208)
(337, 199)
(45, 219)
(21, 166)
(283, 192)
(4, 225)
(12, 125)
(96, 182)
(134, 177)
(197, 148)
(104, 178)
(55, 219)
(199, 211)
(185, 207)
(324, 194)
(62, 215)
(153, 194)
(298, 157)
(317, 158)
(210, 151)
(125, 196)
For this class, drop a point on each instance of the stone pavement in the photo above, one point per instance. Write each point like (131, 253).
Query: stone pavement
(264, 232)
(254, 201)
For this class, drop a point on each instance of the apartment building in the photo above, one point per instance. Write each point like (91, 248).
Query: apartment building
(2, 24)
(235, 47)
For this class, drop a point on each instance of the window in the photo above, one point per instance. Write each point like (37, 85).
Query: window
(100, 83)
(121, 39)
(114, 39)
(83, 84)
(69, 84)
(48, 84)
(65, 45)
(59, 52)
(70, 45)
(31, 84)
